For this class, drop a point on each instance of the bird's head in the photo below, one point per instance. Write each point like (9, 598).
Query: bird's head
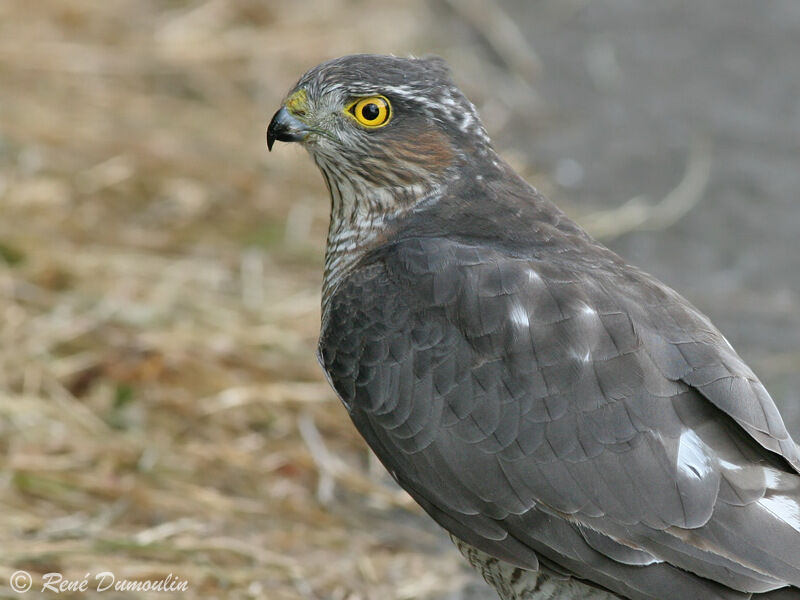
(381, 121)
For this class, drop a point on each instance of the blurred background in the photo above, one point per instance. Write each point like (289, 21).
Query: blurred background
(161, 408)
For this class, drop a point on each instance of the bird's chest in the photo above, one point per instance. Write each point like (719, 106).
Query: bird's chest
(355, 333)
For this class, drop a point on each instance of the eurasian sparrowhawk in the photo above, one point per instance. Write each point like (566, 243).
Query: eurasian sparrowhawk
(579, 428)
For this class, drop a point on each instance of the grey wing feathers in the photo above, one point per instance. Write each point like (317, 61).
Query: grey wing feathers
(589, 418)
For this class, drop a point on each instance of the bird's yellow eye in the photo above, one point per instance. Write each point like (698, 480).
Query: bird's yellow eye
(372, 112)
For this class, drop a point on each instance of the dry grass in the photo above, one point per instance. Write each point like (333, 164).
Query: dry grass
(161, 409)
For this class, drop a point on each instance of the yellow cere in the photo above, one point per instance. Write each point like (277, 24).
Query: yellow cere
(371, 112)
(297, 103)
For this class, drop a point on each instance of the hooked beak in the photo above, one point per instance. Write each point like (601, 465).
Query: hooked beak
(285, 127)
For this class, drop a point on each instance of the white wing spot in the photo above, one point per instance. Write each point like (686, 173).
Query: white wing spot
(692, 457)
(729, 465)
(533, 275)
(772, 478)
(784, 508)
(588, 311)
(584, 358)
(519, 316)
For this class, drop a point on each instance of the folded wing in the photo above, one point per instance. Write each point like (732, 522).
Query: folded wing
(587, 417)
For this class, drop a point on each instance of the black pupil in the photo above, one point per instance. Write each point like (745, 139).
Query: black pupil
(370, 111)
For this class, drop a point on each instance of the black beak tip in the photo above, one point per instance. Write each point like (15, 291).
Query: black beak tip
(284, 127)
(271, 130)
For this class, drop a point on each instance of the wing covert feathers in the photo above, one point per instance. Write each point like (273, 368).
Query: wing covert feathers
(584, 415)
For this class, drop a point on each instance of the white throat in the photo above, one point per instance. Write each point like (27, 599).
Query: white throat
(360, 213)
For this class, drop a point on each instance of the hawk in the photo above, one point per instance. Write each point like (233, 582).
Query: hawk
(580, 429)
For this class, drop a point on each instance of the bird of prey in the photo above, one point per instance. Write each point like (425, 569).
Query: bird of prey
(580, 429)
